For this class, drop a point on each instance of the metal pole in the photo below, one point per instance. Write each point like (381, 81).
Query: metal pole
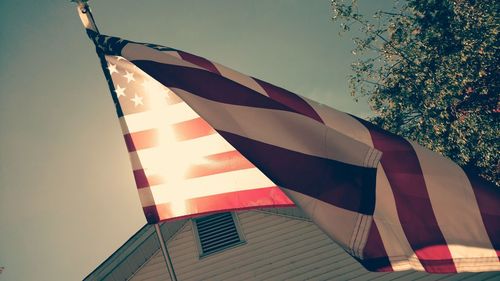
(86, 15)
(166, 256)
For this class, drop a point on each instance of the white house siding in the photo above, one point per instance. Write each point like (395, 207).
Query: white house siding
(277, 247)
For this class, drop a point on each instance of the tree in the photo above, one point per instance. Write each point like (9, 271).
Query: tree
(430, 71)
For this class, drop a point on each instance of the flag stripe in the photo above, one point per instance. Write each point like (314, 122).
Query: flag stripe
(195, 80)
(342, 122)
(134, 51)
(230, 201)
(192, 129)
(220, 163)
(141, 140)
(199, 61)
(328, 217)
(151, 214)
(289, 99)
(487, 197)
(240, 78)
(141, 180)
(182, 131)
(153, 119)
(390, 228)
(175, 190)
(343, 185)
(215, 164)
(374, 254)
(403, 171)
(149, 158)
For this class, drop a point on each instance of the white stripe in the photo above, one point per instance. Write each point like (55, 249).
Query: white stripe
(173, 53)
(173, 192)
(341, 122)
(157, 118)
(240, 78)
(146, 197)
(285, 129)
(162, 158)
(455, 208)
(327, 216)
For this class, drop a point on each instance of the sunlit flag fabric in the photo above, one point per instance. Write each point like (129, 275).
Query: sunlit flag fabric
(181, 165)
(389, 202)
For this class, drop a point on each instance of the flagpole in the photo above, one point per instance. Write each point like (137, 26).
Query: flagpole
(86, 15)
(166, 256)
(89, 23)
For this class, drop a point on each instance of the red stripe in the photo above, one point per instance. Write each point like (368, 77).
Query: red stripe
(415, 212)
(182, 131)
(374, 254)
(488, 198)
(215, 164)
(289, 99)
(199, 61)
(142, 181)
(208, 85)
(231, 201)
(192, 129)
(141, 140)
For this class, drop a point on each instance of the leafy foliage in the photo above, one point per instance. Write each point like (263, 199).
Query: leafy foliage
(430, 69)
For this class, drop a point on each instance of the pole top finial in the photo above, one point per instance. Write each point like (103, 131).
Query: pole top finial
(81, 3)
(85, 14)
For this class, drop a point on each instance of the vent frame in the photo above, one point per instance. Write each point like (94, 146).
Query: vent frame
(206, 240)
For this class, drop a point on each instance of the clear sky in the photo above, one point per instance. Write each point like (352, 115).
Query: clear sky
(67, 194)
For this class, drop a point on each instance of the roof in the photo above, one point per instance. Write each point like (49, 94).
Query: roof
(279, 256)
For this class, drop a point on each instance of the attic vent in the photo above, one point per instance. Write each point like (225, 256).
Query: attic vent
(217, 232)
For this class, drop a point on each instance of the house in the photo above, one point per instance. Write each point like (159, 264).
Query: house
(262, 244)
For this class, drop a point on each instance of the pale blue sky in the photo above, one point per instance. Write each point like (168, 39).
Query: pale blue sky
(67, 194)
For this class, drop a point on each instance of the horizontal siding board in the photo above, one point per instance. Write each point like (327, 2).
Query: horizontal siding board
(340, 267)
(287, 269)
(253, 257)
(433, 277)
(358, 273)
(274, 259)
(403, 275)
(246, 250)
(274, 241)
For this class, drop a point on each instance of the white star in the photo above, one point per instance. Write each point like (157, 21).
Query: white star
(120, 91)
(129, 76)
(137, 100)
(112, 68)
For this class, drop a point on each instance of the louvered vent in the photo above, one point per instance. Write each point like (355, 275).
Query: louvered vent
(217, 232)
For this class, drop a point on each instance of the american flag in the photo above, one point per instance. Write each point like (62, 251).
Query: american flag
(389, 202)
(182, 166)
